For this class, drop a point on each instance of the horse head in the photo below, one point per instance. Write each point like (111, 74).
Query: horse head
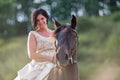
(66, 42)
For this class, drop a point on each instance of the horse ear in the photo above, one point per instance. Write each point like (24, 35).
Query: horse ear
(56, 23)
(73, 22)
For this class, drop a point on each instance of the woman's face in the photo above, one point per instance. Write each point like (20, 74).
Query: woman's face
(41, 20)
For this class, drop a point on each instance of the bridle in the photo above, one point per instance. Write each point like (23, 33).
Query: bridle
(72, 50)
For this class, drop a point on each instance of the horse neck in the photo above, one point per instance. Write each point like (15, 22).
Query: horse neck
(70, 68)
(71, 71)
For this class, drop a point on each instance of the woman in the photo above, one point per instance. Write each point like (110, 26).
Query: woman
(40, 49)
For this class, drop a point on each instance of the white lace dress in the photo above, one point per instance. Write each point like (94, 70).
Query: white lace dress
(38, 70)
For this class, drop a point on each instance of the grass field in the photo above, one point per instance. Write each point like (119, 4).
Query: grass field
(13, 56)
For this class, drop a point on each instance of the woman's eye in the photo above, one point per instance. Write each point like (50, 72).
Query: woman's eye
(42, 18)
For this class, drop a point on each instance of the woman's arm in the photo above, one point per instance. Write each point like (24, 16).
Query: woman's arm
(31, 46)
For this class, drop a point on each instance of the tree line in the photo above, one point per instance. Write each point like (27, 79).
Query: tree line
(15, 14)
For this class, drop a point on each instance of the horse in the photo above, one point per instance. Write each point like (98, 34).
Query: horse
(66, 42)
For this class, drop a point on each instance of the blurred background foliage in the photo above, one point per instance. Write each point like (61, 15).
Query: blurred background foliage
(98, 27)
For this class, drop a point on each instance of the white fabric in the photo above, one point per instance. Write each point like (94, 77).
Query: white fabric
(38, 70)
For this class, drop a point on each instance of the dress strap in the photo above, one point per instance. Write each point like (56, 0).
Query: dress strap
(32, 32)
(35, 33)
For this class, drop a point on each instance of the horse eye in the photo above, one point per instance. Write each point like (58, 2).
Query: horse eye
(62, 27)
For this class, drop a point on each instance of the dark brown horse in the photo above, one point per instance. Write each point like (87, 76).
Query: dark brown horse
(66, 48)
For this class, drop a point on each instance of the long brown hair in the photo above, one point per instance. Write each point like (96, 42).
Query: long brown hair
(34, 15)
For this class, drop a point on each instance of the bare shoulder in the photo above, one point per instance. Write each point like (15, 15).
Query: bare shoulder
(31, 35)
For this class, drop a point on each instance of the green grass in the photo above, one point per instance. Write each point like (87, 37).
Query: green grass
(98, 45)
(13, 56)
